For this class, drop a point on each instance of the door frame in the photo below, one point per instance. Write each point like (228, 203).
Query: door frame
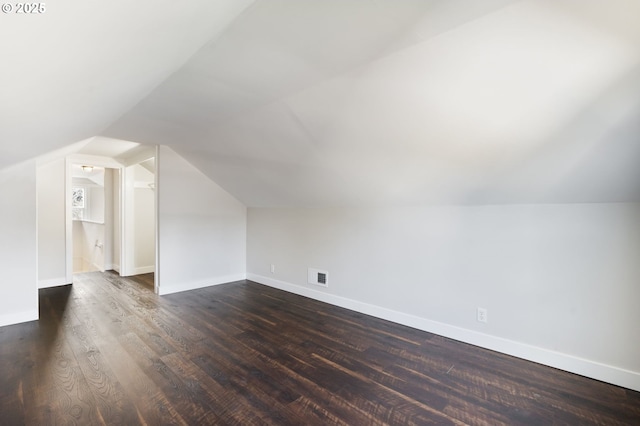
(81, 159)
(121, 168)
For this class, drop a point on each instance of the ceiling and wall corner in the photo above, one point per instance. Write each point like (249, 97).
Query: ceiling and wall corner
(68, 73)
(288, 103)
(409, 103)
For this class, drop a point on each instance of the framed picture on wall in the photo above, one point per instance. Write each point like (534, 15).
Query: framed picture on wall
(77, 198)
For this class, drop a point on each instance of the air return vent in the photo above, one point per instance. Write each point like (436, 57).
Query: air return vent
(318, 277)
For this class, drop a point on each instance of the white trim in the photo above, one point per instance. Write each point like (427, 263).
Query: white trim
(18, 317)
(95, 160)
(88, 221)
(606, 373)
(125, 225)
(116, 267)
(156, 218)
(201, 284)
(144, 270)
(68, 222)
(53, 282)
(145, 153)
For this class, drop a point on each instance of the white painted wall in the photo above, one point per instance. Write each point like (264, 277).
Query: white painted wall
(18, 251)
(77, 246)
(127, 265)
(202, 229)
(51, 224)
(560, 282)
(108, 249)
(144, 230)
(115, 215)
(139, 232)
(93, 235)
(95, 206)
(88, 246)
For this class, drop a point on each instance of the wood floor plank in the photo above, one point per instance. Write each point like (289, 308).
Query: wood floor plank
(14, 365)
(112, 402)
(108, 332)
(107, 350)
(226, 405)
(60, 393)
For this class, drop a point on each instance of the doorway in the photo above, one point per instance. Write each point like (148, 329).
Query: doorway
(111, 216)
(138, 225)
(91, 211)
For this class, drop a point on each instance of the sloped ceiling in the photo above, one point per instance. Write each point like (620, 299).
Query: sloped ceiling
(354, 102)
(67, 74)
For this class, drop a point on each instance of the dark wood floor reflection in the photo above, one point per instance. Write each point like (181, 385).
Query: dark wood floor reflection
(108, 351)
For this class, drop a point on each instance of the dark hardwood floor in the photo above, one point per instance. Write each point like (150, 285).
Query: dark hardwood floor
(108, 351)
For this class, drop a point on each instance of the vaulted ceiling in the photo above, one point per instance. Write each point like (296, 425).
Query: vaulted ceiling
(342, 102)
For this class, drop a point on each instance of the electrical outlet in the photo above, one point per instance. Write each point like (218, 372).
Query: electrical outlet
(273, 268)
(482, 315)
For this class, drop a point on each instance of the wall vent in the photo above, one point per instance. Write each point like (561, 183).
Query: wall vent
(318, 277)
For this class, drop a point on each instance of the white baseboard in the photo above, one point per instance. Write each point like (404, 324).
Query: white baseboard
(53, 282)
(584, 367)
(18, 317)
(176, 288)
(135, 271)
(116, 268)
(144, 270)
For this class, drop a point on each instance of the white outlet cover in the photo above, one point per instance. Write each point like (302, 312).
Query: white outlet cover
(482, 315)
